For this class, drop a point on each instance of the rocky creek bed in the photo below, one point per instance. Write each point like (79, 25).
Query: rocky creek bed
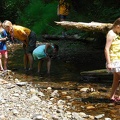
(23, 101)
(45, 99)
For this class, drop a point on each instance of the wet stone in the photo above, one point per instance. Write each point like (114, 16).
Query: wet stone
(99, 116)
(23, 101)
(21, 83)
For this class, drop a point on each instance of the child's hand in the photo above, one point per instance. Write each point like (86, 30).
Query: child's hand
(3, 39)
(109, 66)
(47, 54)
(6, 38)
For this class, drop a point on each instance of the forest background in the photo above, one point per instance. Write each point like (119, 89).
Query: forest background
(39, 15)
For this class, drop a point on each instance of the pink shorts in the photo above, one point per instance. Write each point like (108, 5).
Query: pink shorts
(3, 52)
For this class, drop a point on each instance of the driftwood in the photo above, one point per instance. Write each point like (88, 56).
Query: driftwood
(92, 26)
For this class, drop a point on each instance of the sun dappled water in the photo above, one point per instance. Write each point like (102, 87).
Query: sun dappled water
(65, 76)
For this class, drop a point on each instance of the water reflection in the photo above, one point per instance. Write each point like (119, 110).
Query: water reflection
(65, 77)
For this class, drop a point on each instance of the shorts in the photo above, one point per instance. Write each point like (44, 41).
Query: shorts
(63, 17)
(115, 67)
(31, 43)
(3, 52)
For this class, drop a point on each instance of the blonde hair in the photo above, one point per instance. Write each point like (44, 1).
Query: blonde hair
(7, 23)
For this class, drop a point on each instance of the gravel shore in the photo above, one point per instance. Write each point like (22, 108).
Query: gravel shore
(21, 101)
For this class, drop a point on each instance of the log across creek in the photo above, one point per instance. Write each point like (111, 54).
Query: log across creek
(92, 26)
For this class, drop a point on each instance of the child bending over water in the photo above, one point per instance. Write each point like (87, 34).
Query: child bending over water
(45, 52)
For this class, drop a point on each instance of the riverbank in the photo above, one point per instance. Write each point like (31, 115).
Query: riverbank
(25, 101)
(62, 96)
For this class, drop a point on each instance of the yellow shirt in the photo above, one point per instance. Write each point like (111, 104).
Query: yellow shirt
(63, 8)
(115, 49)
(20, 33)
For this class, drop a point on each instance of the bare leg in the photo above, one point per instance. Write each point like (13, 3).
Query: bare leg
(25, 60)
(5, 60)
(1, 67)
(114, 85)
(119, 91)
(48, 65)
(40, 65)
(30, 60)
(63, 18)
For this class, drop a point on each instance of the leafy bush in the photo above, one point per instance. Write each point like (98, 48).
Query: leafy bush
(11, 9)
(40, 17)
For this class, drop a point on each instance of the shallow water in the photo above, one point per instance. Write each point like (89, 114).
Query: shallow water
(65, 76)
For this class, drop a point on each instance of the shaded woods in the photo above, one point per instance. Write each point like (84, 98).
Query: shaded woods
(88, 95)
(40, 15)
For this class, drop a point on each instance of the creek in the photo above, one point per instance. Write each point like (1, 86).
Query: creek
(65, 77)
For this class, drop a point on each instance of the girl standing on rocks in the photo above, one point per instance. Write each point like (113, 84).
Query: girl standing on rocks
(3, 48)
(112, 54)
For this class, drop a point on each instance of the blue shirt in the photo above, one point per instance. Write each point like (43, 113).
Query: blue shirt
(39, 52)
(3, 46)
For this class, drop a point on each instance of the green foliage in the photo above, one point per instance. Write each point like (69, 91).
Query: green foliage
(10, 9)
(98, 10)
(40, 16)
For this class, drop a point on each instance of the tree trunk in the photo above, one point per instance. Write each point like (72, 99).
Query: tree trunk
(92, 26)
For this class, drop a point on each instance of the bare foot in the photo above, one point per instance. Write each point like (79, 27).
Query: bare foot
(117, 99)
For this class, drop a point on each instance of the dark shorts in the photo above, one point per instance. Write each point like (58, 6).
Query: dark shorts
(63, 17)
(31, 43)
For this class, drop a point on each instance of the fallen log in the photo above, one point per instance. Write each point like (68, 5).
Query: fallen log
(67, 37)
(100, 75)
(92, 26)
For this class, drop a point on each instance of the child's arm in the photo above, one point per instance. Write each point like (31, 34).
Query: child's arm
(109, 39)
(3, 39)
(46, 48)
(4, 36)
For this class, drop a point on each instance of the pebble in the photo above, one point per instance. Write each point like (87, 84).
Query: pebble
(29, 103)
(99, 116)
